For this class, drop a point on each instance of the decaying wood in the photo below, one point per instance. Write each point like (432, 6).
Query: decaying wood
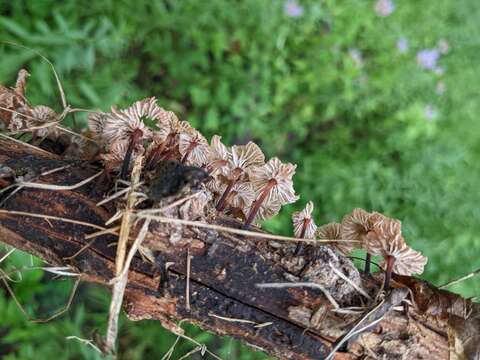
(289, 323)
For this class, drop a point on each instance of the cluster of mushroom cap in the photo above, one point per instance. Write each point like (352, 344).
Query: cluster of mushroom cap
(241, 182)
(371, 231)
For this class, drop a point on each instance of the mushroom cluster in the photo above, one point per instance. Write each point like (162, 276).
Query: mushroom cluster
(373, 232)
(241, 183)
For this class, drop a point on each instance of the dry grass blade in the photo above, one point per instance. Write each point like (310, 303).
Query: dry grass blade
(7, 255)
(460, 279)
(4, 277)
(118, 194)
(172, 205)
(86, 342)
(203, 346)
(249, 233)
(120, 263)
(187, 287)
(50, 217)
(33, 185)
(300, 284)
(355, 286)
(24, 143)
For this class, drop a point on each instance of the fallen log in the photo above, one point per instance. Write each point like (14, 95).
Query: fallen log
(289, 323)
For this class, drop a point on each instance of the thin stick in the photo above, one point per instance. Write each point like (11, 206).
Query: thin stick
(86, 342)
(82, 249)
(33, 185)
(120, 282)
(55, 315)
(42, 216)
(355, 286)
(7, 255)
(113, 231)
(118, 194)
(199, 344)
(238, 231)
(187, 287)
(460, 279)
(300, 284)
(172, 205)
(191, 352)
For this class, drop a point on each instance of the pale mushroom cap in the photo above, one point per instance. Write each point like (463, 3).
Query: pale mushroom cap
(386, 239)
(243, 196)
(303, 219)
(115, 155)
(197, 146)
(283, 192)
(332, 231)
(21, 82)
(356, 225)
(43, 115)
(218, 150)
(96, 124)
(246, 156)
(267, 210)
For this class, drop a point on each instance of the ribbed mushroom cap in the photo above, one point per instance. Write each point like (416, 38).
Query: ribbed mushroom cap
(355, 226)
(43, 115)
(267, 211)
(219, 156)
(243, 157)
(303, 223)
(332, 231)
(114, 156)
(386, 239)
(282, 192)
(194, 145)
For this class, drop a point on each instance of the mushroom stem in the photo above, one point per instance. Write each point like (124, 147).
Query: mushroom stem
(258, 202)
(192, 146)
(154, 156)
(390, 260)
(305, 224)
(223, 200)
(368, 261)
(134, 138)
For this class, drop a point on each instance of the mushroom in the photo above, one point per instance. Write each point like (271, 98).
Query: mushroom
(386, 239)
(356, 226)
(193, 147)
(273, 184)
(333, 231)
(303, 225)
(243, 158)
(219, 156)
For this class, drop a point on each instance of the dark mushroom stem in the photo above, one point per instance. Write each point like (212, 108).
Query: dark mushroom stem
(134, 139)
(390, 260)
(154, 157)
(190, 148)
(258, 202)
(368, 261)
(235, 175)
(223, 199)
(306, 223)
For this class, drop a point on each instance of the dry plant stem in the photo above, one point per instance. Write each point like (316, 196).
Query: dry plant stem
(460, 279)
(121, 282)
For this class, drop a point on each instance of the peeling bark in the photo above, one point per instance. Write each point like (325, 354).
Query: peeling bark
(293, 323)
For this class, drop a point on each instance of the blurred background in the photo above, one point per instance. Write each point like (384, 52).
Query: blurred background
(377, 101)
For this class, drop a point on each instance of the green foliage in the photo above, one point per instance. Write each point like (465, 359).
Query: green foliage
(328, 90)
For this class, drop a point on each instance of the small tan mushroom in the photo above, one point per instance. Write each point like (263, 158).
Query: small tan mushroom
(303, 225)
(219, 156)
(194, 148)
(386, 240)
(273, 184)
(332, 231)
(243, 157)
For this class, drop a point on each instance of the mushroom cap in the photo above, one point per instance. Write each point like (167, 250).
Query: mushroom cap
(282, 192)
(243, 157)
(303, 219)
(44, 114)
(266, 210)
(386, 239)
(333, 231)
(195, 143)
(219, 156)
(114, 156)
(355, 225)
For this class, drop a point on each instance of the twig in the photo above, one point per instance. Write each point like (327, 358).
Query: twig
(86, 342)
(120, 282)
(355, 286)
(300, 284)
(50, 217)
(117, 194)
(187, 287)
(172, 205)
(25, 144)
(460, 279)
(191, 352)
(33, 185)
(7, 255)
(239, 231)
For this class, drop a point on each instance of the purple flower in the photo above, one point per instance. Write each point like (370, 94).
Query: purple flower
(293, 9)
(384, 8)
(356, 56)
(427, 59)
(402, 45)
(430, 112)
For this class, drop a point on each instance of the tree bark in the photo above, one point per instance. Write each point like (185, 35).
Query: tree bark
(289, 323)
